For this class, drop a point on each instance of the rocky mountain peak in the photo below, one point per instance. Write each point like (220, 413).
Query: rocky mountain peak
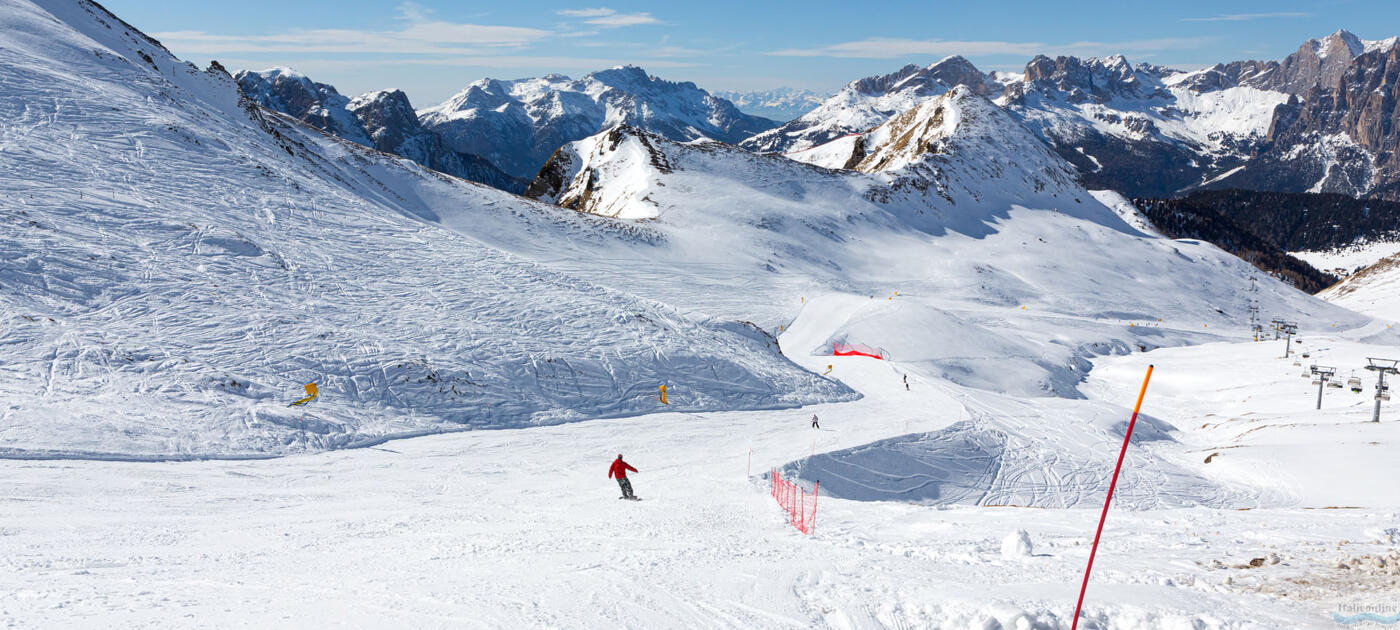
(1085, 79)
(385, 112)
(625, 75)
(1340, 43)
(296, 95)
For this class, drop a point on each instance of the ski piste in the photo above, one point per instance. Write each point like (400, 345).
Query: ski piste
(178, 265)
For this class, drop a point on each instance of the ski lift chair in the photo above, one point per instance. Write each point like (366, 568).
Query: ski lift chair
(1354, 383)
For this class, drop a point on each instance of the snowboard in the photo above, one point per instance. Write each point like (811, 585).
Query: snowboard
(631, 498)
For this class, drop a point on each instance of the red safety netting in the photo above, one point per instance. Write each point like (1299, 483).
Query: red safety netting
(856, 350)
(800, 506)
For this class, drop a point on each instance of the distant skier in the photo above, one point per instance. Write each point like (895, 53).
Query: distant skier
(815, 424)
(906, 382)
(619, 471)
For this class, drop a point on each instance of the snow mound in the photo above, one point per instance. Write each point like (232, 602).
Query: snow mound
(1016, 545)
(1013, 454)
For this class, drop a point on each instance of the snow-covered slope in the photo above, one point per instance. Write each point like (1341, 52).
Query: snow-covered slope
(1374, 290)
(961, 211)
(179, 262)
(518, 124)
(1344, 261)
(867, 102)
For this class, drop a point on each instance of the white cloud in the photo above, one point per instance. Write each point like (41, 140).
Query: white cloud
(586, 13)
(623, 19)
(1246, 17)
(604, 17)
(419, 35)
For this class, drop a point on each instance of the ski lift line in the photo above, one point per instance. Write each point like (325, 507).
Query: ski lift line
(1112, 484)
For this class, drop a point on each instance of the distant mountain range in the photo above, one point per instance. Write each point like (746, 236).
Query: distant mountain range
(780, 104)
(518, 124)
(1321, 120)
(383, 120)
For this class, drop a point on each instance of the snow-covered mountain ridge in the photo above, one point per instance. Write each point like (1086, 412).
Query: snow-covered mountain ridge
(518, 124)
(383, 120)
(1305, 123)
(867, 102)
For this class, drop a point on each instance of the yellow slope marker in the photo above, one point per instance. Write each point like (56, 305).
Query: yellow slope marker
(311, 395)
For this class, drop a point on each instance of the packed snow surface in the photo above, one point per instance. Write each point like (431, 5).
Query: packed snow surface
(176, 264)
(522, 528)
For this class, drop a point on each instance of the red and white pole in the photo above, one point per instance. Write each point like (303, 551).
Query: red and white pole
(1109, 499)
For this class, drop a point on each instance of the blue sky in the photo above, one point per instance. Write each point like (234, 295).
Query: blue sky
(432, 48)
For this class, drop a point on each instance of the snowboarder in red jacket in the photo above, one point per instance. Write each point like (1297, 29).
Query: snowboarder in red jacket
(619, 471)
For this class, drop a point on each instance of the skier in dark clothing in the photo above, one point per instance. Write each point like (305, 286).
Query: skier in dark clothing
(619, 471)
(815, 425)
(906, 382)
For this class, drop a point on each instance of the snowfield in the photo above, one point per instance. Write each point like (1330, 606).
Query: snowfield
(176, 263)
(521, 528)
(202, 259)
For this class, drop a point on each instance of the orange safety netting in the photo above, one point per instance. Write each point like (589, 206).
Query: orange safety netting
(856, 350)
(801, 507)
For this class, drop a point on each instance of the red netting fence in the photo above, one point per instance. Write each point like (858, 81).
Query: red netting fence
(800, 506)
(856, 350)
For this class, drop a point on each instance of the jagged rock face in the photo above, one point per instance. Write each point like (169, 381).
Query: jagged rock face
(391, 123)
(1147, 130)
(293, 94)
(1085, 80)
(1318, 62)
(1153, 131)
(384, 120)
(868, 102)
(1340, 135)
(1143, 129)
(519, 124)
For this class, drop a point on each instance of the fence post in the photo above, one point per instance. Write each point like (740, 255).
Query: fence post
(802, 519)
(816, 489)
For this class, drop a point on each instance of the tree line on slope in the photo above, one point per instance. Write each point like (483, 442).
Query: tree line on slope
(1260, 227)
